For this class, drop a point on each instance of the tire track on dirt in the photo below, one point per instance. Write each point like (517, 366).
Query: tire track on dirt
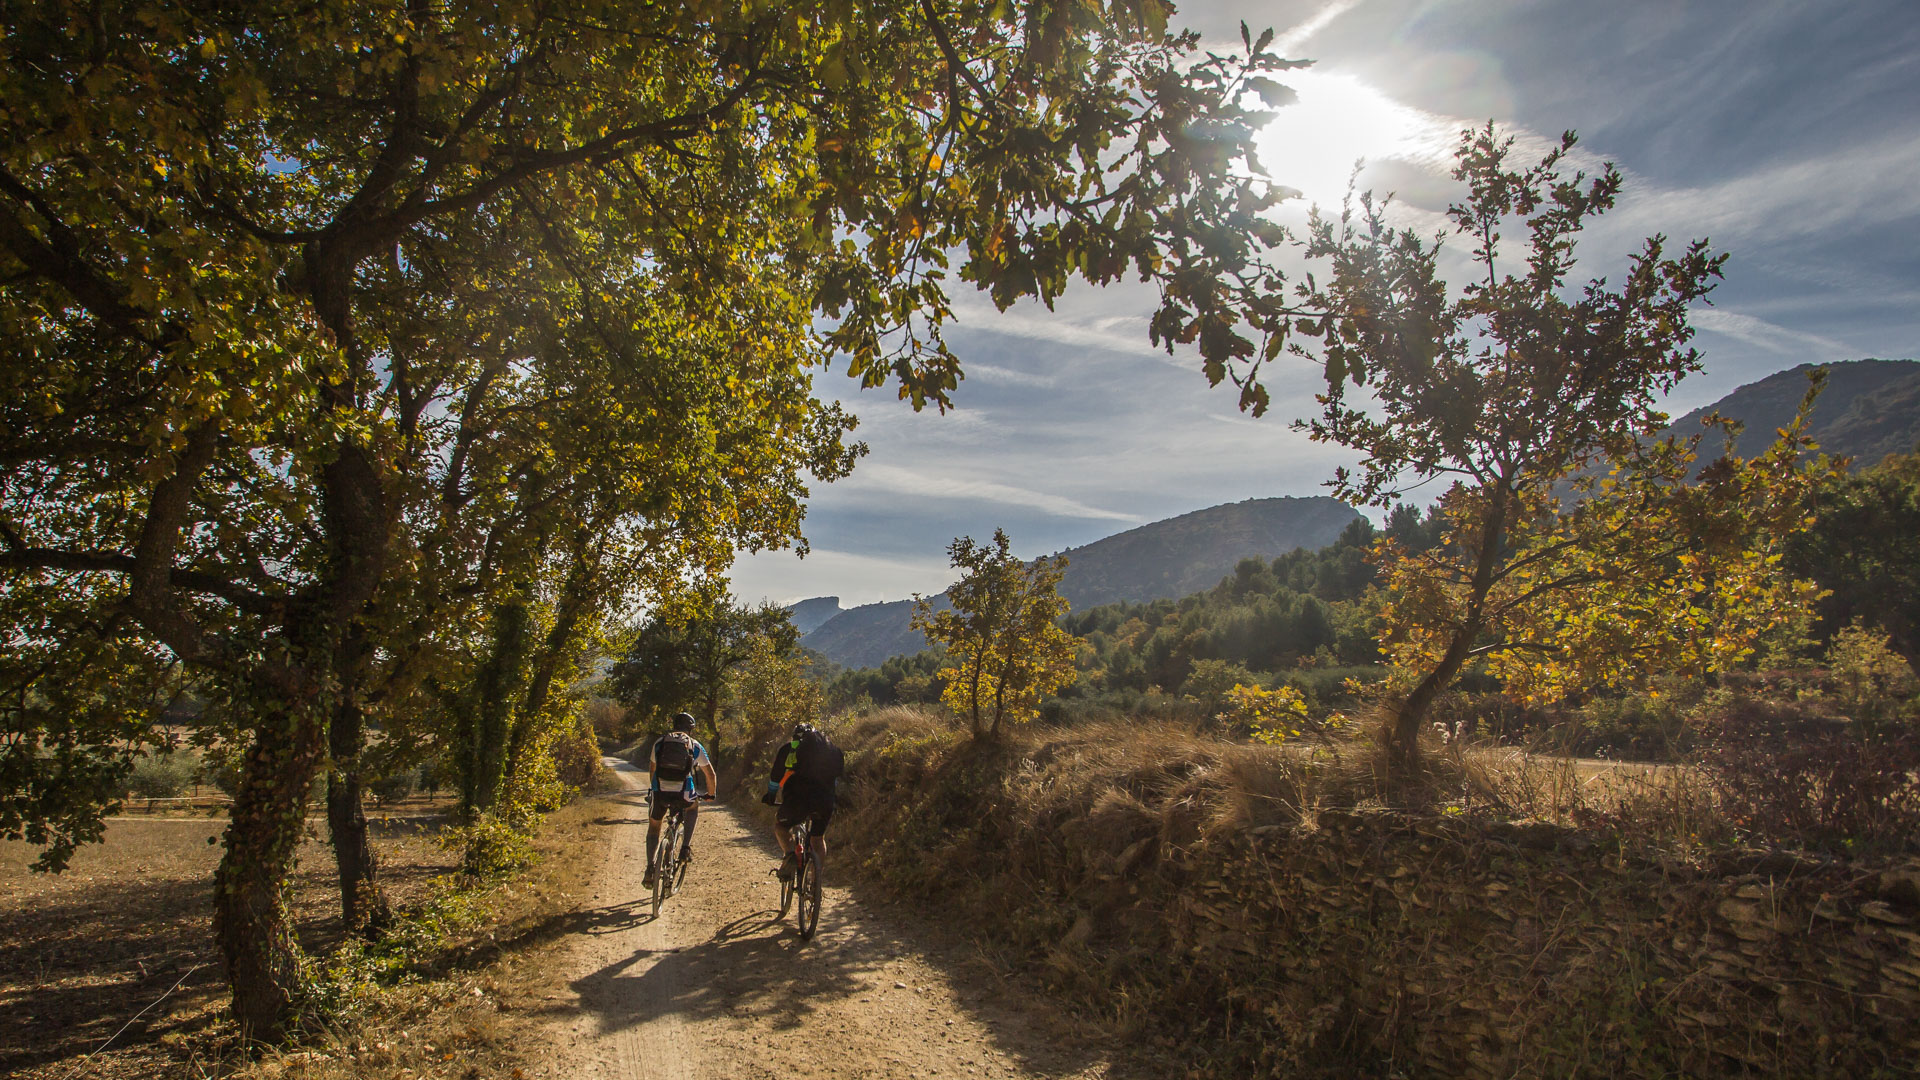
(718, 986)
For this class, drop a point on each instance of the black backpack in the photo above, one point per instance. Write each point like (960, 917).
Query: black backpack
(673, 757)
(820, 762)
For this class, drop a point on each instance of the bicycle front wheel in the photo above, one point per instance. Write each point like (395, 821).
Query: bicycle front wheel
(662, 870)
(669, 855)
(807, 888)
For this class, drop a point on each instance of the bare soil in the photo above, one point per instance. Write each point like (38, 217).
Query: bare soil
(573, 978)
(718, 985)
(125, 932)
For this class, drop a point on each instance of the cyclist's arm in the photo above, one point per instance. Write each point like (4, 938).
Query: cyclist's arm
(707, 774)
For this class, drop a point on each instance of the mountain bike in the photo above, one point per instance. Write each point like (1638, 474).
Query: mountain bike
(672, 871)
(804, 885)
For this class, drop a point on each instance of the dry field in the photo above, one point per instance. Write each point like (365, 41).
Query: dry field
(117, 952)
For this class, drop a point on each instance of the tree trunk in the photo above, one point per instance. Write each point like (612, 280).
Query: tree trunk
(490, 727)
(1403, 738)
(363, 910)
(268, 815)
(363, 907)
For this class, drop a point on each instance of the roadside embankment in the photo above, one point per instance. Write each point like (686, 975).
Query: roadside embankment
(1240, 902)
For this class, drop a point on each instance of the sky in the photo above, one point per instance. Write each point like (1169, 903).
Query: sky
(1787, 133)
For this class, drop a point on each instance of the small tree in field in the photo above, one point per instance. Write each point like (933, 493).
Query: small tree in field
(1004, 650)
(1512, 386)
(771, 689)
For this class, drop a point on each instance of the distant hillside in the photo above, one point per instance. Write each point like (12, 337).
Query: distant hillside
(1869, 409)
(867, 635)
(809, 615)
(1169, 559)
(1163, 560)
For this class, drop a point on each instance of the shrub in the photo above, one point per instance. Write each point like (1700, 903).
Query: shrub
(163, 774)
(1785, 774)
(396, 786)
(609, 719)
(576, 756)
(491, 847)
(1870, 679)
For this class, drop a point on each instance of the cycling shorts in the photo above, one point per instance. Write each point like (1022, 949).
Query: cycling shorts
(663, 801)
(808, 804)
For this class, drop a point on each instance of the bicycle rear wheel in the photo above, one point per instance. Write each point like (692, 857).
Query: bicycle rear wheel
(663, 863)
(808, 890)
(787, 887)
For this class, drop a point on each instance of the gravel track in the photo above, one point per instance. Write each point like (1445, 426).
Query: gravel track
(717, 987)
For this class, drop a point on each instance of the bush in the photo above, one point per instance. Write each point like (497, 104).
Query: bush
(1787, 775)
(576, 756)
(491, 847)
(609, 719)
(164, 774)
(394, 787)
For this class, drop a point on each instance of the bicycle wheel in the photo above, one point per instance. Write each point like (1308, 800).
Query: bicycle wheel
(681, 862)
(661, 872)
(808, 890)
(670, 853)
(787, 887)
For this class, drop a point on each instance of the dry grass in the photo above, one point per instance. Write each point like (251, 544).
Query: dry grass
(1658, 804)
(1298, 926)
(82, 953)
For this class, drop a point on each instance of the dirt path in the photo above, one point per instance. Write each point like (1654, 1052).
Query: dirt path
(716, 987)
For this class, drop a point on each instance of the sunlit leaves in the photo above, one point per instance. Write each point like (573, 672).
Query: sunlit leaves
(1005, 649)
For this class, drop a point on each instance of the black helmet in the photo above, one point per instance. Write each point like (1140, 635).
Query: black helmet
(800, 729)
(683, 721)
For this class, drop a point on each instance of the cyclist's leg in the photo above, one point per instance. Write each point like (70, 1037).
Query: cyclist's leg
(822, 817)
(785, 818)
(656, 813)
(688, 819)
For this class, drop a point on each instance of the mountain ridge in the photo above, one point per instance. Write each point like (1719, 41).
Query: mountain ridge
(1164, 559)
(1869, 408)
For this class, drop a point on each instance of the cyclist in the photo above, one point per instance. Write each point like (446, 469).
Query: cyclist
(679, 765)
(801, 785)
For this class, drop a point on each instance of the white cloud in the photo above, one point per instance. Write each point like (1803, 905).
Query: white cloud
(932, 484)
(1299, 34)
(1826, 196)
(993, 374)
(1772, 337)
(1106, 335)
(782, 577)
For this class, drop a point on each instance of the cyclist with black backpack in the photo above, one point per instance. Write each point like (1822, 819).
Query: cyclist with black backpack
(679, 764)
(801, 785)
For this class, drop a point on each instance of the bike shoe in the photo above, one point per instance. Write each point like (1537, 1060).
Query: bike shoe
(787, 866)
(686, 855)
(647, 881)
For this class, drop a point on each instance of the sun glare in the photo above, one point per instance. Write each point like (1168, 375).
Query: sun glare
(1312, 144)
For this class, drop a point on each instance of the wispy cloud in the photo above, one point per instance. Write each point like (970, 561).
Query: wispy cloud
(1108, 335)
(993, 374)
(1769, 336)
(1299, 34)
(931, 484)
(1800, 199)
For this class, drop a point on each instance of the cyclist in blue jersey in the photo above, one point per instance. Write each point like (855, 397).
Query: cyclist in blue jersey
(679, 764)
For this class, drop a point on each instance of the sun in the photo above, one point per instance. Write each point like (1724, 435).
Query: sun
(1312, 144)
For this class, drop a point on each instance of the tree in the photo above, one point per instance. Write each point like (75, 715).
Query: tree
(1005, 650)
(1511, 387)
(1864, 549)
(774, 687)
(683, 658)
(291, 297)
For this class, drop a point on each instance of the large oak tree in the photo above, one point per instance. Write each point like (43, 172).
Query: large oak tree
(328, 323)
